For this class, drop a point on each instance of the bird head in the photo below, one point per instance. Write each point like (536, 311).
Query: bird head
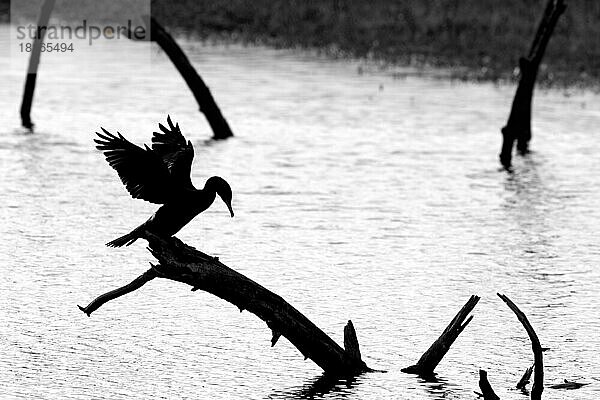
(222, 188)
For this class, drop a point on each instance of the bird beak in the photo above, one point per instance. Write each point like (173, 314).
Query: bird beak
(230, 209)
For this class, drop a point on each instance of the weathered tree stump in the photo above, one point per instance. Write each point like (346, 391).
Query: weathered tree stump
(486, 389)
(518, 126)
(432, 357)
(202, 94)
(182, 263)
(34, 62)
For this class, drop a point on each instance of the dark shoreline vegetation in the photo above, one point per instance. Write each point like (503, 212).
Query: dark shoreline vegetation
(473, 39)
(476, 39)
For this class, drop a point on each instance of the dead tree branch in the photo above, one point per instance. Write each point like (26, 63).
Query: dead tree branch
(538, 371)
(432, 357)
(202, 94)
(518, 126)
(524, 381)
(34, 62)
(182, 263)
(113, 294)
(486, 389)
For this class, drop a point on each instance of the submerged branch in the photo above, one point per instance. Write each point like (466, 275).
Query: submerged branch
(538, 370)
(486, 389)
(34, 62)
(524, 381)
(202, 94)
(432, 357)
(182, 263)
(518, 126)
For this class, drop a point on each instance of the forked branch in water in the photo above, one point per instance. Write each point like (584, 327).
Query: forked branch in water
(182, 263)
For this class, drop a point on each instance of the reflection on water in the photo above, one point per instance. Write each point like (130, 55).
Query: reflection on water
(358, 197)
(322, 386)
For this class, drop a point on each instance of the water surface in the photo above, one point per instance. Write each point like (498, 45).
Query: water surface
(357, 196)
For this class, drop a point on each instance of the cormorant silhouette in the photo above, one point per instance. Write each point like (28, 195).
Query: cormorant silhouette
(161, 175)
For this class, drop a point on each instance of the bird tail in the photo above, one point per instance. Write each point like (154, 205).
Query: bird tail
(125, 240)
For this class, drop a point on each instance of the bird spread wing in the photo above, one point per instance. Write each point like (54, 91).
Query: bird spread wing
(176, 153)
(141, 170)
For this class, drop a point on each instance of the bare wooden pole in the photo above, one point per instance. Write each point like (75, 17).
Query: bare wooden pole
(538, 369)
(182, 263)
(202, 94)
(432, 357)
(34, 62)
(518, 126)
